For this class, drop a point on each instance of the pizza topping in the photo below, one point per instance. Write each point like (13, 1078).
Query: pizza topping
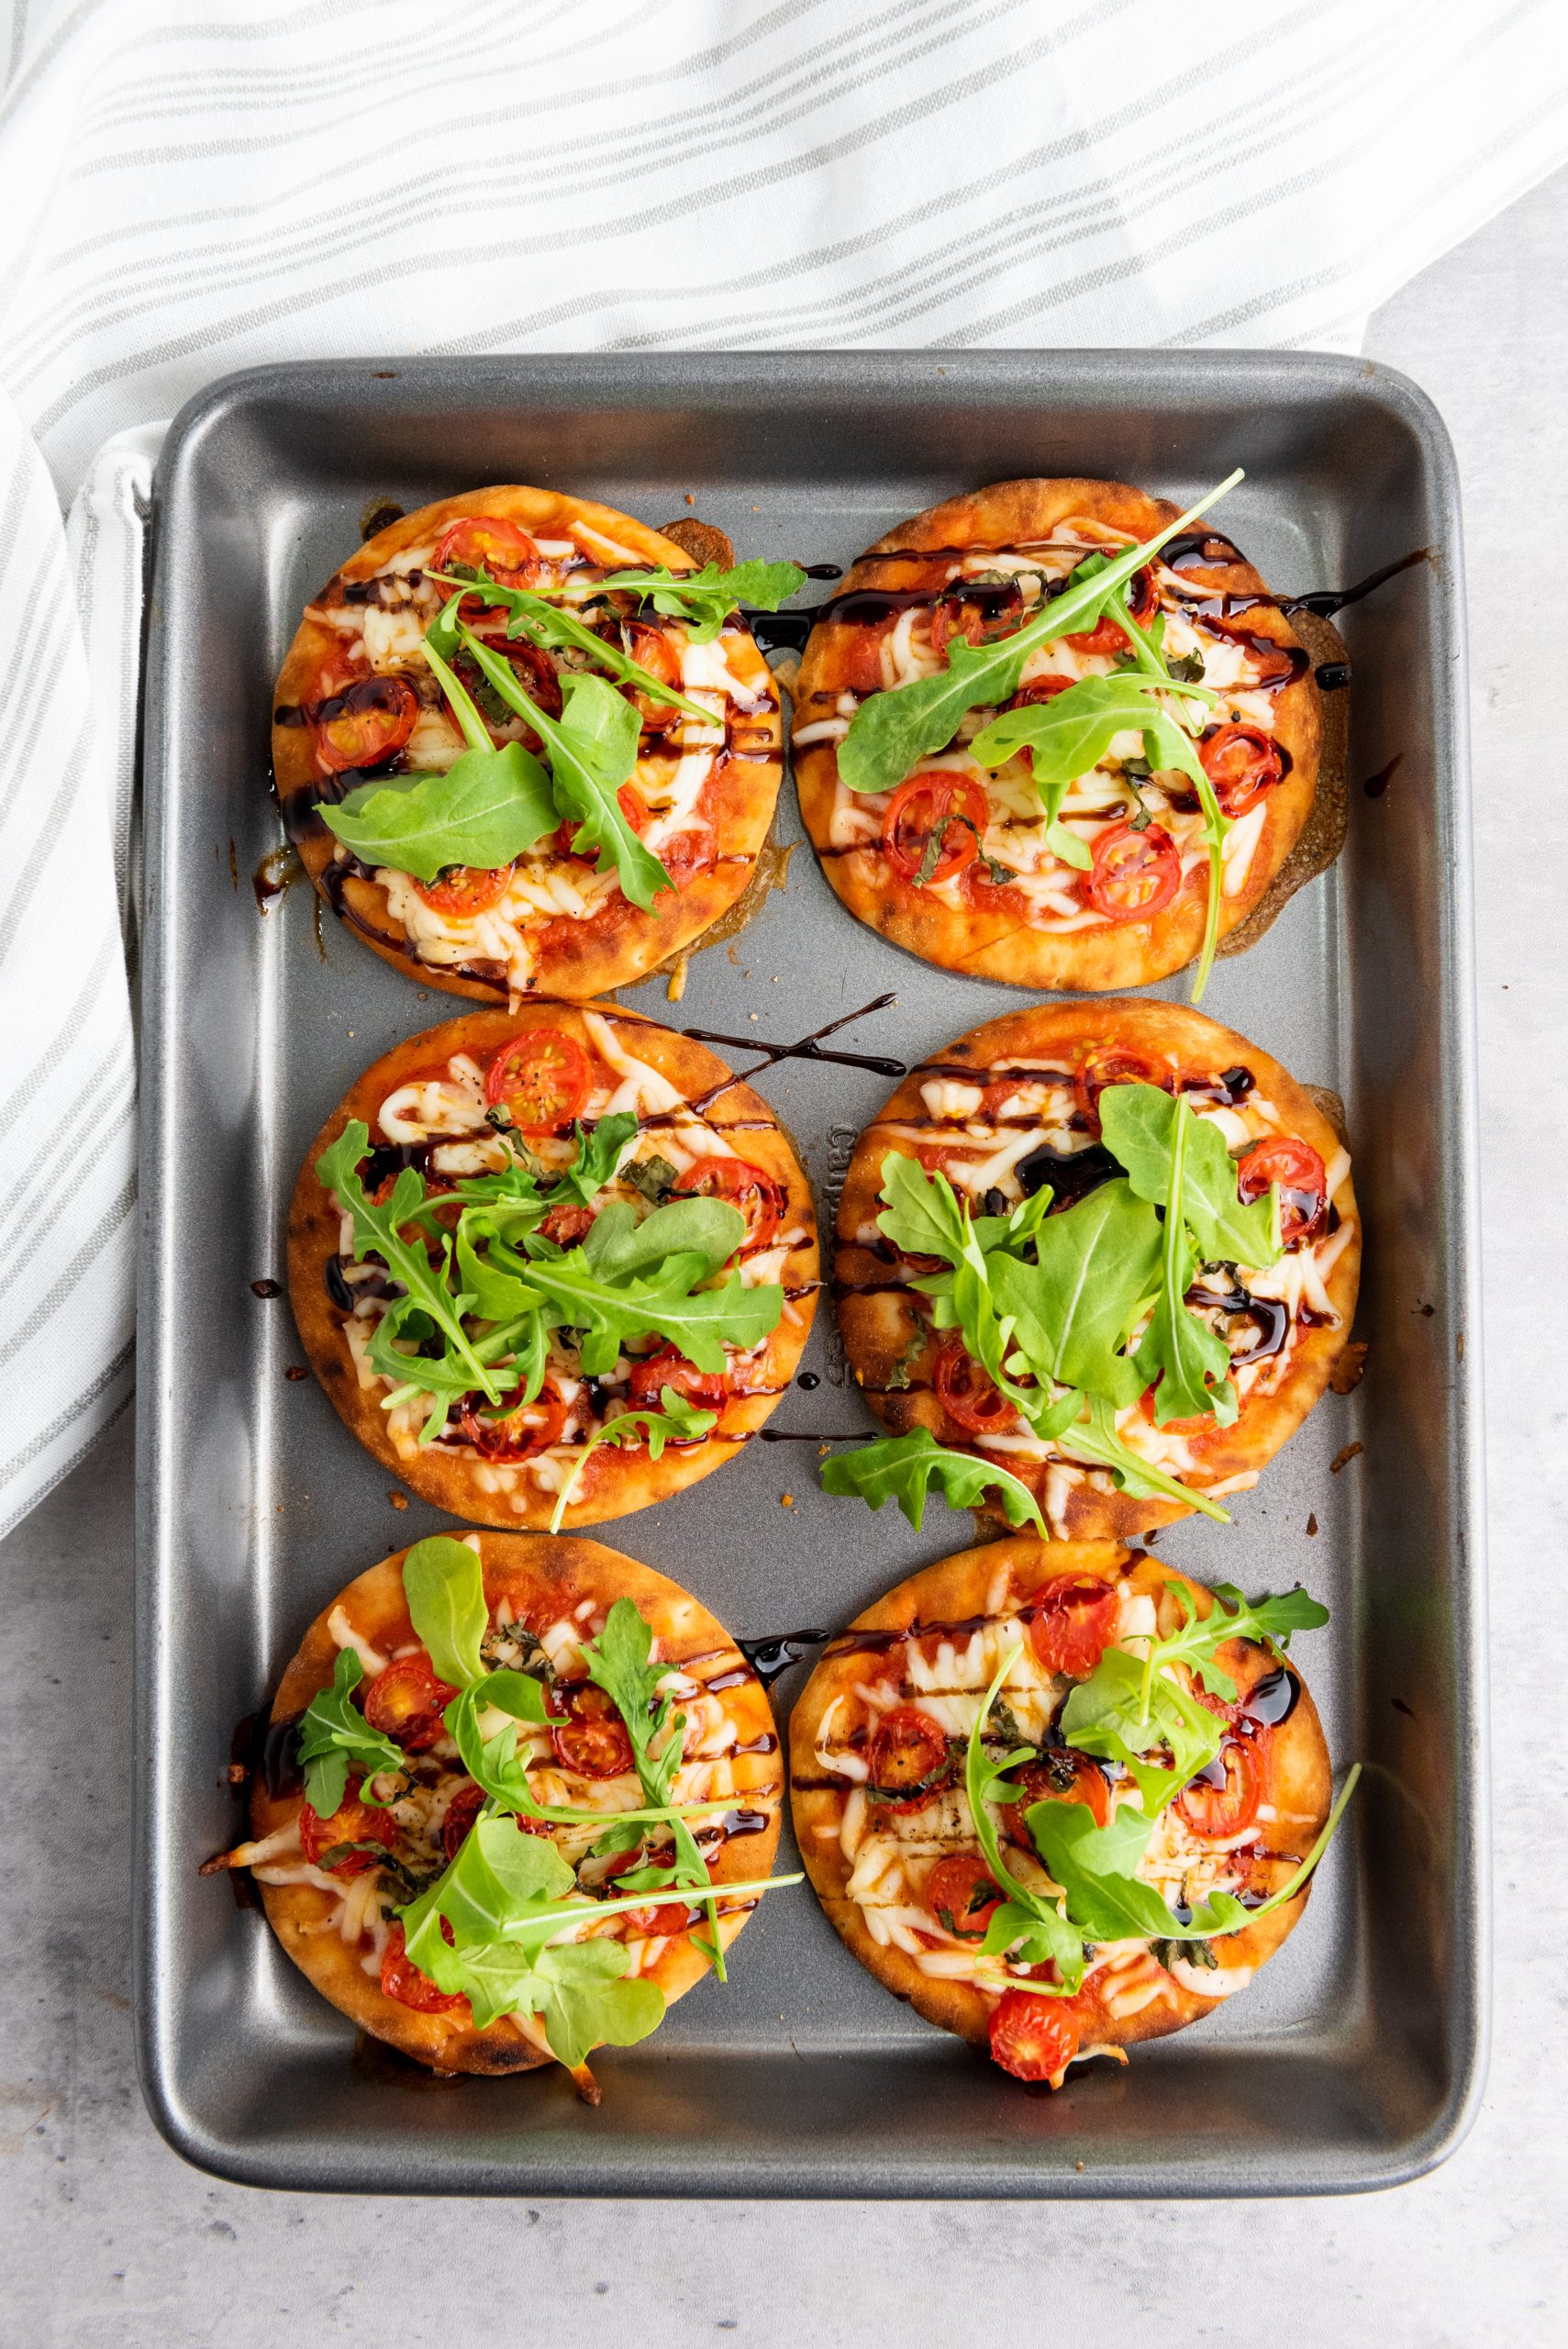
(1134, 875)
(1223, 1796)
(1032, 2036)
(910, 1759)
(506, 1924)
(967, 1394)
(669, 1368)
(1296, 1171)
(1072, 1623)
(406, 1702)
(542, 1080)
(491, 543)
(934, 826)
(361, 724)
(756, 1194)
(466, 889)
(1242, 763)
(962, 1895)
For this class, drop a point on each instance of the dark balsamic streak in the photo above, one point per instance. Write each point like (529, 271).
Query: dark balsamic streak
(769, 1658)
(805, 1049)
(1376, 784)
(1326, 601)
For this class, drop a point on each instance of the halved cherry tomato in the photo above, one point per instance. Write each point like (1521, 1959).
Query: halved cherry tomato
(353, 1822)
(941, 799)
(364, 724)
(532, 1428)
(1033, 2037)
(401, 1979)
(967, 1393)
(1241, 762)
(1108, 1065)
(406, 1701)
(759, 1198)
(567, 1226)
(660, 1920)
(910, 1757)
(669, 1367)
(543, 1078)
(1196, 1423)
(464, 890)
(1065, 1777)
(633, 807)
(1040, 689)
(1224, 1799)
(1302, 1177)
(464, 1808)
(1142, 601)
(535, 672)
(1134, 875)
(592, 1739)
(1072, 1623)
(981, 614)
(962, 1894)
(489, 542)
(653, 650)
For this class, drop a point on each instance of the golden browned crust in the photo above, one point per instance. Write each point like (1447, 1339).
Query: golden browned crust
(1000, 945)
(533, 1573)
(615, 1481)
(989, 1582)
(879, 1319)
(578, 959)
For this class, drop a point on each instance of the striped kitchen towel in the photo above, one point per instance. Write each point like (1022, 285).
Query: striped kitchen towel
(189, 189)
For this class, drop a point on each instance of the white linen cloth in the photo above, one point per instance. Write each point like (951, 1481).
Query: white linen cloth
(189, 189)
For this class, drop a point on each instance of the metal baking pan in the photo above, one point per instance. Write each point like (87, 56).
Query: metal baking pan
(1357, 2058)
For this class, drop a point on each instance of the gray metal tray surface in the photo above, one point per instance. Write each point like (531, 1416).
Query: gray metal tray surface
(1356, 2058)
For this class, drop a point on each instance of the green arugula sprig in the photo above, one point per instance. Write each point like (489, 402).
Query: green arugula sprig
(627, 1280)
(706, 597)
(1048, 1304)
(540, 622)
(891, 732)
(903, 1468)
(676, 1422)
(335, 1738)
(1031, 1927)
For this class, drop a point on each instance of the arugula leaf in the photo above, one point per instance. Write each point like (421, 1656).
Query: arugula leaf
(1270, 1622)
(706, 597)
(890, 732)
(483, 809)
(600, 1150)
(1096, 1268)
(619, 1247)
(1095, 1438)
(443, 1582)
(679, 1422)
(1068, 736)
(379, 1230)
(547, 625)
(1030, 1925)
(1186, 1362)
(608, 1312)
(904, 1467)
(335, 1737)
(1122, 1713)
(593, 751)
(1138, 1124)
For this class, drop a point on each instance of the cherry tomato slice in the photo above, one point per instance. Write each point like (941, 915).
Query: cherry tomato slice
(1302, 1177)
(1072, 1623)
(653, 650)
(401, 1979)
(1134, 875)
(760, 1199)
(1040, 689)
(660, 1920)
(1065, 1778)
(464, 1808)
(532, 1428)
(942, 800)
(534, 670)
(979, 614)
(669, 1367)
(464, 890)
(353, 1822)
(489, 542)
(592, 1739)
(405, 1702)
(542, 1077)
(1107, 1065)
(364, 723)
(1241, 762)
(568, 1226)
(962, 1895)
(910, 1757)
(1142, 602)
(1224, 1799)
(967, 1394)
(1031, 2037)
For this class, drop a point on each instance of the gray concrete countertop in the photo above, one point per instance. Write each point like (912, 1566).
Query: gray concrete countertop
(109, 2238)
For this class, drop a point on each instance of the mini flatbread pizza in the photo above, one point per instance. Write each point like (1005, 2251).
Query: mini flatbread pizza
(1089, 810)
(1060, 1797)
(550, 787)
(551, 1272)
(1015, 1290)
(515, 1796)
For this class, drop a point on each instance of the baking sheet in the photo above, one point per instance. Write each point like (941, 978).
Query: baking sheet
(1355, 2059)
